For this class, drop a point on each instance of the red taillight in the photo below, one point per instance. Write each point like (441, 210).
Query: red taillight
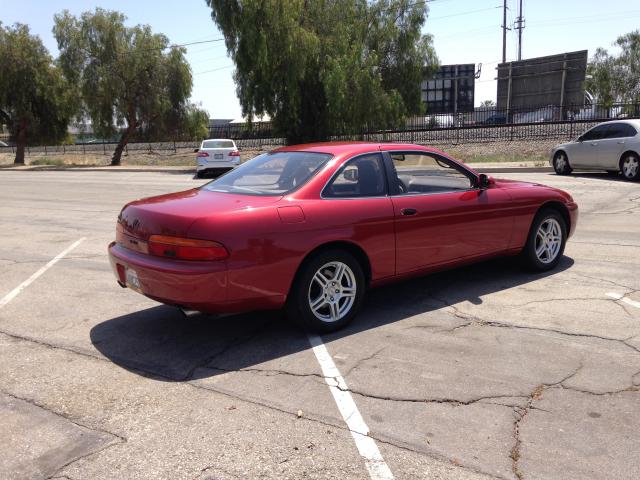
(235, 153)
(203, 154)
(186, 248)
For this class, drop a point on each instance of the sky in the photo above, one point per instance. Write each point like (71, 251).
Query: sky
(464, 31)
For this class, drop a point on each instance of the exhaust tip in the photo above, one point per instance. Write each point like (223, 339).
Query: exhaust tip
(189, 313)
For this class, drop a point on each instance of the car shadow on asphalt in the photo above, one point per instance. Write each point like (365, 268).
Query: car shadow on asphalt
(162, 343)
(601, 176)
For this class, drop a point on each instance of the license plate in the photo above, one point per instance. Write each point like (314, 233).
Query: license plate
(132, 280)
(218, 156)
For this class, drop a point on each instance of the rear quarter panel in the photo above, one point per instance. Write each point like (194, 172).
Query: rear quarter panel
(267, 247)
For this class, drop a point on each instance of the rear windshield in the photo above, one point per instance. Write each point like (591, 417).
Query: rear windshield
(217, 144)
(270, 174)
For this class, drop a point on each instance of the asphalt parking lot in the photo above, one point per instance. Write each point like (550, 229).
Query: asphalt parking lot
(483, 372)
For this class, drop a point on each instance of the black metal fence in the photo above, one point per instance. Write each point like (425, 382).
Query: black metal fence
(482, 125)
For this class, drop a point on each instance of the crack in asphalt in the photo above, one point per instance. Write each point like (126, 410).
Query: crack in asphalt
(119, 439)
(452, 401)
(521, 413)
(234, 342)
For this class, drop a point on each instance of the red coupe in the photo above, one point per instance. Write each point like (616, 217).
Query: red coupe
(311, 227)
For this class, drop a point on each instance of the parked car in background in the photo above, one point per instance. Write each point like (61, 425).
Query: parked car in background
(216, 155)
(549, 113)
(311, 227)
(497, 119)
(612, 146)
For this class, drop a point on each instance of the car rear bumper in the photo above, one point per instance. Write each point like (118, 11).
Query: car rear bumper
(200, 286)
(216, 164)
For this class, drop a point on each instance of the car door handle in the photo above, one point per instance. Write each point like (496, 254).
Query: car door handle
(594, 144)
(408, 211)
(621, 142)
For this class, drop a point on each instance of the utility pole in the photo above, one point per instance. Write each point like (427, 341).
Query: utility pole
(504, 31)
(520, 26)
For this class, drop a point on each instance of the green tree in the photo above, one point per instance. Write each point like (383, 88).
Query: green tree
(487, 104)
(35, 101)
(327, 66)
(196, 124)
(128, 77)
(616, 78)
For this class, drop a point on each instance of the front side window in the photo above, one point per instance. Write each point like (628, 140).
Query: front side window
(362, 176)
(270, 174)
(596, 133)
(420, 173)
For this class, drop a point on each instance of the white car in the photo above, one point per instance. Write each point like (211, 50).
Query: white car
(217, 155)
(611, 146)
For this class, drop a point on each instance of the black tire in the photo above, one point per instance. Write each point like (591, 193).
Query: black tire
(561, 163)
(630, 173)
(305, 287)
(531, 258)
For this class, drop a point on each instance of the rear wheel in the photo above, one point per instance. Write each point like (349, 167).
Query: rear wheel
(328, 291)
(561, 163)
(630, 166)
(546, 241)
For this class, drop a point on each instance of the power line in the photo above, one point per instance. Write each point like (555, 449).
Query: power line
(463, 13)
(214, 69)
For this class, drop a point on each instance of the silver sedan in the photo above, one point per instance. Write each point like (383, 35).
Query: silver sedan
(611, 146)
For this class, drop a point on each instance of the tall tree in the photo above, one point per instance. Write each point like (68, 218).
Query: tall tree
(323, 66)
(35, 101)
(616, 78)
(128, 77)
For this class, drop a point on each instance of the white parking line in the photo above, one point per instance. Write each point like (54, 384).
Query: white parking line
(622, 298)
(376, 466)
(13, 293)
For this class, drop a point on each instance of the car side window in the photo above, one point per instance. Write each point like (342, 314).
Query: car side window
(616, 130)
(627, 130)
(596, 133)
(362, 176)
(419, 173)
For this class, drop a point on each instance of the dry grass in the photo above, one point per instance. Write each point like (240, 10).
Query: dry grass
(497, 152)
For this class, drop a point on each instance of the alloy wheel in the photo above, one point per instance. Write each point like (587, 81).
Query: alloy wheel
(332, 291)
(548, 240)
(630, 166)
(561, 162)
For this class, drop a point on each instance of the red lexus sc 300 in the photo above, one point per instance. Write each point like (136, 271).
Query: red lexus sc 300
(311, 227)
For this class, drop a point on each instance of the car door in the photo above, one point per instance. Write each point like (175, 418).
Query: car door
(442, 216)
(357, 206)
(585, 153)
(613, 145)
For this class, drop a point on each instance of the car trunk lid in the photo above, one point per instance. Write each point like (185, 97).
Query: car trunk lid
(174, 213)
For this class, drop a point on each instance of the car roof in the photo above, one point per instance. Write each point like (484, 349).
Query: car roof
(631, 121)
(217, 140)
(342, 148)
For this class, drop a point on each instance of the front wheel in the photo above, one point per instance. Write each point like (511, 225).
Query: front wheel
(328, 291)
(630, 166)
(547, 238)
(561, 163)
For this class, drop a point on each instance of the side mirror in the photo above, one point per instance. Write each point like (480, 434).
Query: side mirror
(484, 181)
(580, 138)
(196, 150)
